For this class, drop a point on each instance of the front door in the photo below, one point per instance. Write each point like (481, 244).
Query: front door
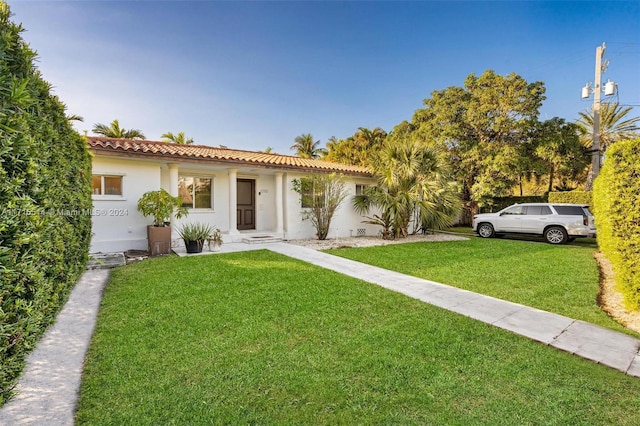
(246, 210)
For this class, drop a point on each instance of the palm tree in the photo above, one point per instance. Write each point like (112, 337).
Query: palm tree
(612, 126)
(305, 147)
(612, 129)
(413, 184)
(75, 117)
(115, 131)
(180, 138)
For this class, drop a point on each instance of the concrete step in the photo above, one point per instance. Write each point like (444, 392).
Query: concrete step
(105, 260)
(260, 239)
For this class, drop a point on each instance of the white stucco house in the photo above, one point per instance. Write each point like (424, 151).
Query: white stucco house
(243, 193)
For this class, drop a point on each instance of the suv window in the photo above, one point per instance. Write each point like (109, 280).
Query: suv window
(515, 210)
(570, 210)
(538, 210)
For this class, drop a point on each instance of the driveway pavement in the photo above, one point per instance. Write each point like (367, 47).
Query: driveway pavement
(48, 388)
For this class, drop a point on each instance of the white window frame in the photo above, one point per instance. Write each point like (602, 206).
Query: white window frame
(198, 176)
(102, 195)
(363, 186)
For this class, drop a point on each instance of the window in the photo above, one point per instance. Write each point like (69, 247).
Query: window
(569, 210)
(106, 185)
(312, 194)
(360, 188)
(538, 210)
(196, 192)
(515, 210)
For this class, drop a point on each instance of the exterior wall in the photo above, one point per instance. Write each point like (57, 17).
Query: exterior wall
(117, 225)
(218, 216)
(345, 222)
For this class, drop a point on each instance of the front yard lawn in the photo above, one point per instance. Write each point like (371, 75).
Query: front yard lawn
(560, 279)
(259, 338)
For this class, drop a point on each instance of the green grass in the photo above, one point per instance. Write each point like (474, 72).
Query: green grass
(560, 279)
(258, 338)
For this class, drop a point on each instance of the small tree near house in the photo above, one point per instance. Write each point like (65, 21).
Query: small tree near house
(320, 196)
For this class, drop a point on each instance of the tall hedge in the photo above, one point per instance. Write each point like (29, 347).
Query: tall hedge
(616, 202)
(45, 203)
(573, 197)
(499, 203)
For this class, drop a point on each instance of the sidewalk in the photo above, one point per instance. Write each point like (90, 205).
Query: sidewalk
(48, 388)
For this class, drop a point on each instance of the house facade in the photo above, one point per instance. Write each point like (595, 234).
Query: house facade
(242, 193)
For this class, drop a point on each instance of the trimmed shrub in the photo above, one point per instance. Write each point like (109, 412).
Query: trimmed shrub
(45, 203)
(616, 202)
(499, 203)
(572, 197)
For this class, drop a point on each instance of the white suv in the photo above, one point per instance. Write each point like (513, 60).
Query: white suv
(557, 222)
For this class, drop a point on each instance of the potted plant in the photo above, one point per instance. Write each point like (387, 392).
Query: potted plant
(215, 240)
(194, 236)
(160, 205)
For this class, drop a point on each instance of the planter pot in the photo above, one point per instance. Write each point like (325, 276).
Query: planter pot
(159, 240)
(213, 246)
(194, 246)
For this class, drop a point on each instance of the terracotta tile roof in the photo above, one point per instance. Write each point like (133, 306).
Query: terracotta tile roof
(176, 152)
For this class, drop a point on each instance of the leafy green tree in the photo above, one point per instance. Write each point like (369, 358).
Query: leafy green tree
(306, 147)
(560, 152)
(482, 128)
(178, 138)
(357, 149)
(413, 184)
(115, 131)
(320, 195)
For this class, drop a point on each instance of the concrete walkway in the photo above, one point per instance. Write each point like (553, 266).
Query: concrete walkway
(48, 388)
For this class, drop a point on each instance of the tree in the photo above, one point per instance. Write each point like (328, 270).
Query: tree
(560, 152)
(482, 130)
(320, 195)
(305, 147)
(613, 125)
(115, 131)
(413, 184)
(75, 117)
(357, 149)
(179, 138)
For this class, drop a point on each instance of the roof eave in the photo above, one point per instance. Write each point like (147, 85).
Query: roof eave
(172, 158)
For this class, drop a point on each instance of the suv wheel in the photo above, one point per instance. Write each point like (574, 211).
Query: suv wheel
(556, 235)
(485, 230)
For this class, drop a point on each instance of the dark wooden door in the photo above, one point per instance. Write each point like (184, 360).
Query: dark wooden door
(246, 209)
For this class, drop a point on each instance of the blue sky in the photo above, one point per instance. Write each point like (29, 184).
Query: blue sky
(250, 75)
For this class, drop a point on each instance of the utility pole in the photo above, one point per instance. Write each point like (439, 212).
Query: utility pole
(609, 89)
(597, 89)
